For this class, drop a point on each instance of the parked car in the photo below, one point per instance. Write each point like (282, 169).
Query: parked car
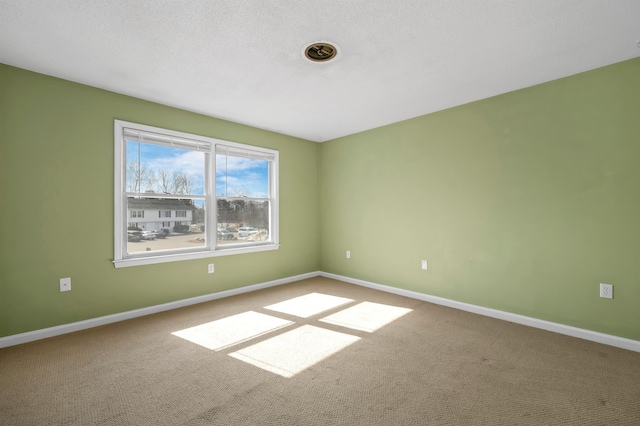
(148, 235)
(160, 234)
(224, 234)
(134, 236)
(246, 231)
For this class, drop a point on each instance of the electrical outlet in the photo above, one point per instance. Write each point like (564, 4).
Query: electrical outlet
(606, 291)
(211, 269)
(424, 265)
(65, 284)
(348, 254)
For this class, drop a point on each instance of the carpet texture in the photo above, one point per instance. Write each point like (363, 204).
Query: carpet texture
(424, 365)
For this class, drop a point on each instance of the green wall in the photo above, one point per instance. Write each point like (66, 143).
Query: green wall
(56, 219)
(524, 202)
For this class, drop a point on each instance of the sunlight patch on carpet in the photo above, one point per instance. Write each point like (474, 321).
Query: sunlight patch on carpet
(366, 316)
(294, 351)
(229, 331)
(309, 304)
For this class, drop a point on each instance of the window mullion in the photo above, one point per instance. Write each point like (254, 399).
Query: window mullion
(223, 197)
(156, 195)
(211, 219)
(124, 227)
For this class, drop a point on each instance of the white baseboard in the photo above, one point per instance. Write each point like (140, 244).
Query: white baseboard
(44, 333)
(607, 339)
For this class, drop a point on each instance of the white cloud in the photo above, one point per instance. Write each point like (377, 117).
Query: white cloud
(232, 164)
(190, 161)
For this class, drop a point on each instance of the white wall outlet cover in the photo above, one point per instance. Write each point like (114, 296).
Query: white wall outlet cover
(424, 265)
(65, 284)
(211, 268)
(606, 291)
(348, 254)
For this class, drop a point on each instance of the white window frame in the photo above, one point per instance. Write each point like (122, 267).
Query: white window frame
(205, 144)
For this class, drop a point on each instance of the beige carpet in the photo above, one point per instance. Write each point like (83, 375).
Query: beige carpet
(341, 355)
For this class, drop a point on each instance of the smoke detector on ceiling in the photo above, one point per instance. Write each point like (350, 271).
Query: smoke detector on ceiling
(320, 51)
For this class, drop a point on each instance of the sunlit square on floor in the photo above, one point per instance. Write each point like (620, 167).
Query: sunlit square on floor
(366, 316)
(294, 351)
(309, 304)
(231, 330)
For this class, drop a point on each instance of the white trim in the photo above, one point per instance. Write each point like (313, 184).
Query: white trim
(119, 207)
(606, 339)
(152, 260)
(594, 336)
(44, 333)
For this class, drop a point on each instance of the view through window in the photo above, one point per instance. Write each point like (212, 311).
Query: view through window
(181, 196)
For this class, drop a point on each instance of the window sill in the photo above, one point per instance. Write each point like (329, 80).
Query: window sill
(150, 260)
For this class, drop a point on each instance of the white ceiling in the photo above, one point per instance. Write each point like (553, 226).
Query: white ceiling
(241, 60)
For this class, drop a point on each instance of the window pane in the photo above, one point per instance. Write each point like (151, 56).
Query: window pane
(241, 177)
(164, 169)
(148, 233)
(248, 220)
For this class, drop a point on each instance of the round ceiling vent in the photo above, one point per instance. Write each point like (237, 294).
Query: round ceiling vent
(320, 51)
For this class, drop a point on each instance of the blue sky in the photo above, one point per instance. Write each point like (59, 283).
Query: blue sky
(235, 176)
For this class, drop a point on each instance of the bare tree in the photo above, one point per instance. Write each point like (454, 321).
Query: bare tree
(139, 177)
(240, 191)
(169, 182)
(182, 183)
(164, 181)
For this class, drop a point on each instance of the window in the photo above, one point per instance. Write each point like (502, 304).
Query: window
(214, 187)
(242, 204)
